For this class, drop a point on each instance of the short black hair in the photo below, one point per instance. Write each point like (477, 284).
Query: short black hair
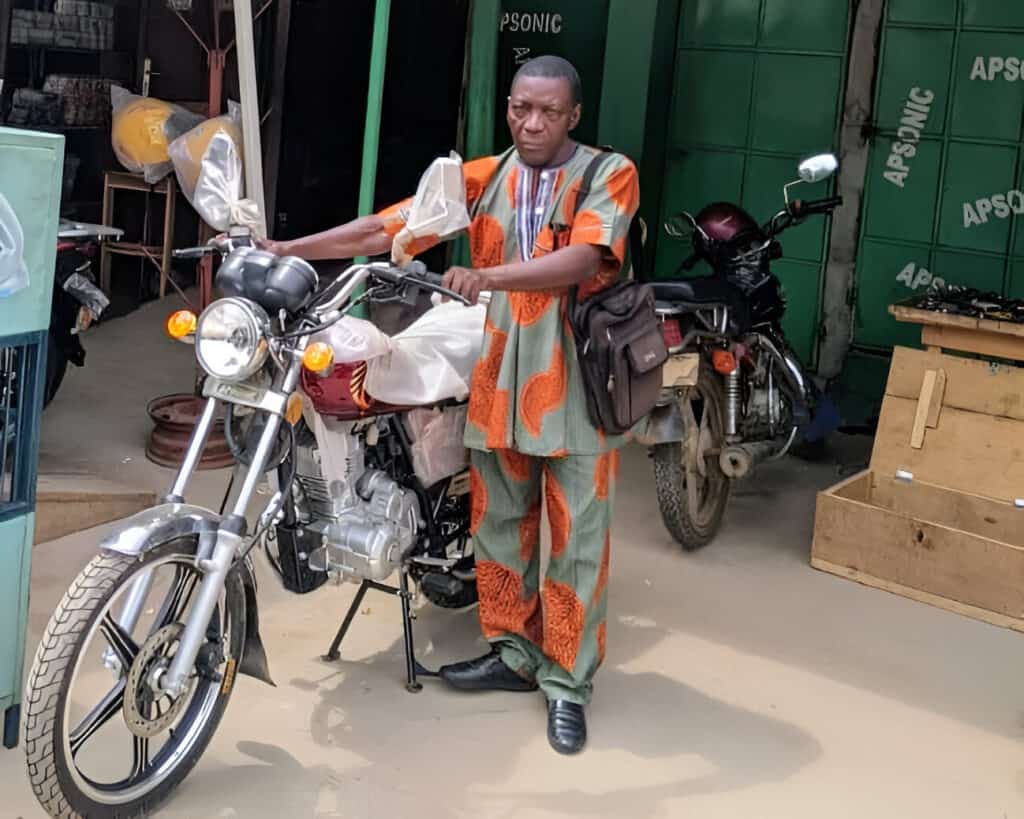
(554, 68)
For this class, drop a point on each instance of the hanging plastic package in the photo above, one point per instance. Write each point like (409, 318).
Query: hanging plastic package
(437, 212)
(209, 164)
(13, 271)
(143, 129)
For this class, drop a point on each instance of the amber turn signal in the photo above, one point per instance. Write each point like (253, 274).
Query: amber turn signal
(181, 324)
(724, 362)
(318, 358)
(293, 414)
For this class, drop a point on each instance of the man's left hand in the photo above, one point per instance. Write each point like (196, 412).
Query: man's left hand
(467, 283)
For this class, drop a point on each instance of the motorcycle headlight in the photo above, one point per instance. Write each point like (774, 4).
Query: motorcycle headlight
(231, 339)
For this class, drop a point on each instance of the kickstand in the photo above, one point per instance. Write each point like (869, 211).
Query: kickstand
(413, 668)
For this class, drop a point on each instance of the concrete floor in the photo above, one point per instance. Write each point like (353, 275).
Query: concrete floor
(739, 681)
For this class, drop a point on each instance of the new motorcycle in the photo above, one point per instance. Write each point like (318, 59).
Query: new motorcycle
(139, 661)
(735, 394)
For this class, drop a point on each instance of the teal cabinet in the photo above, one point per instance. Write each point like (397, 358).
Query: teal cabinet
(30, 179)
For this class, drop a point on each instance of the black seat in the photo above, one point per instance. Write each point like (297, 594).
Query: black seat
(706, 290)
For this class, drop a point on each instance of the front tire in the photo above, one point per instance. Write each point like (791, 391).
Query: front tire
(694, 526)
(54, 740)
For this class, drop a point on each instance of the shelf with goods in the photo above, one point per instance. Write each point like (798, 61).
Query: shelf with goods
(61, 59)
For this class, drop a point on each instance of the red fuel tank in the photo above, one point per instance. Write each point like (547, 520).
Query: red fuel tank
(342, 394)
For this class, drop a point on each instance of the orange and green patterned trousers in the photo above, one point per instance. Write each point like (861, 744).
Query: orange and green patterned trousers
(553, 631)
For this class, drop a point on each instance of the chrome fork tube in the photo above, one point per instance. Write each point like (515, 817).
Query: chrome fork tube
(194, 453)
(230, 541)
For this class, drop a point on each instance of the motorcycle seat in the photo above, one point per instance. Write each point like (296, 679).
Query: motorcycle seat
(704, 291)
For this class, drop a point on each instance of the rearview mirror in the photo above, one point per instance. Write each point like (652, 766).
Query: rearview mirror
(438, 209)
(818, 168)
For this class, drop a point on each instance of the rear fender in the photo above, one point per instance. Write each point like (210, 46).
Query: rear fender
(154, 527)
(663, 426)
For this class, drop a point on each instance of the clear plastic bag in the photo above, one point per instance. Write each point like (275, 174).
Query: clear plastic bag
(13, 271)
(143, 129)
(438, 211)
(209, 164)
(437, 450)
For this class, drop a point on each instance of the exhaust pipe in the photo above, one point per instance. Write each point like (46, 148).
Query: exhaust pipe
(739, 461)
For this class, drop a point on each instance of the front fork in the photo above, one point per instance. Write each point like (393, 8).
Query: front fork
(218, 550)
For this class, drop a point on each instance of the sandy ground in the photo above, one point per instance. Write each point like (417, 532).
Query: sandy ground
(739, 682)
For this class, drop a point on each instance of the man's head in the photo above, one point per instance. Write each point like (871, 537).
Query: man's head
(543, 108)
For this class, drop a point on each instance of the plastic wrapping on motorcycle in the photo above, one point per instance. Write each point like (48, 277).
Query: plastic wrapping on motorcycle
(429, 362)
(13, 271)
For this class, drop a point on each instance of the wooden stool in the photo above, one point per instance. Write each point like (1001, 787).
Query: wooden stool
(159, 255)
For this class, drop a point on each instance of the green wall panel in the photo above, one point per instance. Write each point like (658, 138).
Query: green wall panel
(903, 69)
(795, 103)
(763, 182)
(1016, 286)
(973, 173)
(703, 80)
(531, 28)
(908, 212)
(983, 108)
(960, 200)
(935, 12)
(691, 182)
(719, 22)
(815, 26)
(801, 282)
(1001, 13)
(879, 285)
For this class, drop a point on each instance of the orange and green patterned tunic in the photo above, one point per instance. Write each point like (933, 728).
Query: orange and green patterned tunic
(527, 392)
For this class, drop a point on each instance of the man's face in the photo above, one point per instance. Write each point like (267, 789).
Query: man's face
(540, 115)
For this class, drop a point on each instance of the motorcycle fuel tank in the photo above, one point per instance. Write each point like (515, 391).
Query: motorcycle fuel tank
(342, 394)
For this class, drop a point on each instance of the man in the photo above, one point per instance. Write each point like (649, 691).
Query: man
(528, 428)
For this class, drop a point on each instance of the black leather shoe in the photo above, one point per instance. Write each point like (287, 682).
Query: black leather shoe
(487, 673)
(567, 726)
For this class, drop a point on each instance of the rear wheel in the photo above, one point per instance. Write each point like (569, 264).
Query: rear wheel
(101, 738)
(693, 492)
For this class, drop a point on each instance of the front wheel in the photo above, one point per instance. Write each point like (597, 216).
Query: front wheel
(693, 492)
(102, 739)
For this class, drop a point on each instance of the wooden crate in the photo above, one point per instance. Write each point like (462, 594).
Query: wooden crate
(939, 515)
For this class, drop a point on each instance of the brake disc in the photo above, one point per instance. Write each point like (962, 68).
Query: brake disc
(148, 709)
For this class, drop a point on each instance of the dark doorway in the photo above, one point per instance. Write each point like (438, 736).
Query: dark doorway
(325, 112)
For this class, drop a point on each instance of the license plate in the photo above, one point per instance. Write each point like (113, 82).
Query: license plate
(681, 370)
(244, 394)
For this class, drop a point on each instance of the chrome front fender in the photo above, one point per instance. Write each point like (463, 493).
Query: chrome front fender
(663, 426)
(161, 524)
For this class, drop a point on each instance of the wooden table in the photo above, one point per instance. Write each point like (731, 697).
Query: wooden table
(943, 331)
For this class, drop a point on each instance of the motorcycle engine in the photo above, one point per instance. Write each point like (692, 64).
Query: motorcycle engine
(366, 520)
(768, 411)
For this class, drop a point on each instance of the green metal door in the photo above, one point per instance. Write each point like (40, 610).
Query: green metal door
(575, 31)
(757, 88)
(943, 195)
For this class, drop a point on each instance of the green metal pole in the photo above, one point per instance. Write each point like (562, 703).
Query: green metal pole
(482, 94)
(374, 104)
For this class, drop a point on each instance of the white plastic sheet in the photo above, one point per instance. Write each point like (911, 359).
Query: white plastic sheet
(429, 362)
(13, 271)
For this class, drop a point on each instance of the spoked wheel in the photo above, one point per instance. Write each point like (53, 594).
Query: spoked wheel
(101, 737)
(693, 492)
